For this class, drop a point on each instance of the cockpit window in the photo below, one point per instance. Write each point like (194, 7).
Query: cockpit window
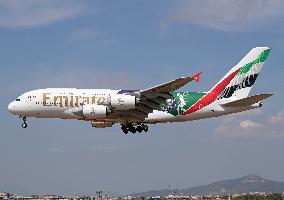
(18, 100)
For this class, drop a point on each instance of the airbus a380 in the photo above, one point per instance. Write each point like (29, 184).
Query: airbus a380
(134, 110)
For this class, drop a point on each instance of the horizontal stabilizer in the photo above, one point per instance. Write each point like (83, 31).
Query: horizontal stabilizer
(247, 101)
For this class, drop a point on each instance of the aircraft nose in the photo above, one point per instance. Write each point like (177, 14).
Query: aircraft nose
(11, 107)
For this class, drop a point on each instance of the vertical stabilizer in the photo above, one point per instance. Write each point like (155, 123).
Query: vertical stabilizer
(246, 72)
(238, 82)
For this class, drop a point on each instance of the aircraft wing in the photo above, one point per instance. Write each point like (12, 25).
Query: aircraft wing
(152, 98)
(171, 85)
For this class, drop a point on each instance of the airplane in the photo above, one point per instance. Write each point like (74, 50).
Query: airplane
(134, 110)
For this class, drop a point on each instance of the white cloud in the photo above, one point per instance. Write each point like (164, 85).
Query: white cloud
(32, 13)
(239, 128)
(277, 119)
(221, 129)
(246, 124)
(228, 15)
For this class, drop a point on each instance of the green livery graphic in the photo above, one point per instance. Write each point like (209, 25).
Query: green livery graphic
(181, 102)
(261, 58)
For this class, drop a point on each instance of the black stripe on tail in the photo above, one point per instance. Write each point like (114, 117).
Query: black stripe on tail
(247, 82)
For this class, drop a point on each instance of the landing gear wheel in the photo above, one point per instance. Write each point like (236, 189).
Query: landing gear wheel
(24, 125)
(139, 129)
(124, 129)
(133, 130)
(145, 128)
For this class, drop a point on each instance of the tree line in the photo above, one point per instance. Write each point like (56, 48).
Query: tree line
(273, 196)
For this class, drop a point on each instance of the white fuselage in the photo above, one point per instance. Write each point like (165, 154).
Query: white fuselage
(64, 102)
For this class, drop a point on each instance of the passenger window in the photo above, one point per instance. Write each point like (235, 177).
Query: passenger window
(17, 99)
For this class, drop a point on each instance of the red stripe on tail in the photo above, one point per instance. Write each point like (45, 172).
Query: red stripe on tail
(212, 95)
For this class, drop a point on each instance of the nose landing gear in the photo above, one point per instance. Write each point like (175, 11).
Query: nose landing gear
(130, 128)
(24, 124)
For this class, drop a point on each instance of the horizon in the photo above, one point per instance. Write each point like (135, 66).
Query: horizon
(136, 45)
(168, 189)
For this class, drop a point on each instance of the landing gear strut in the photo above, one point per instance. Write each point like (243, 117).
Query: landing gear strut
(124, 129)
(24, 124)
(130, 128)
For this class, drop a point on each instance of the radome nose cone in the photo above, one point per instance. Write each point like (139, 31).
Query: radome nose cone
(11, 107)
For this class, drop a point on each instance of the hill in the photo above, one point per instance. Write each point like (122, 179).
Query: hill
(247, 184)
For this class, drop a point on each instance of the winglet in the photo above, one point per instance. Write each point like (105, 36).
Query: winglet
(196, 77)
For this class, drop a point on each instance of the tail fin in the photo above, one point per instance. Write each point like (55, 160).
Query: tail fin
(238, 82)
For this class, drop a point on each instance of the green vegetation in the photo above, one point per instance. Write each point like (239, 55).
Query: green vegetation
(273, 196)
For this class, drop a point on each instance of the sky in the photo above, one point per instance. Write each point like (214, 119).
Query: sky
(135, 45)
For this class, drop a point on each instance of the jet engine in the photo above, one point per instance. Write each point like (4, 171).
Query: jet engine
(95, 111)
(123, 102)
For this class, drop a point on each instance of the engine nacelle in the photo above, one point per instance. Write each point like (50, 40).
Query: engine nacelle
(123, 102)
(94, 111)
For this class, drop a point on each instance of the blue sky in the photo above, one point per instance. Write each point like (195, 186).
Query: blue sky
(135, 45)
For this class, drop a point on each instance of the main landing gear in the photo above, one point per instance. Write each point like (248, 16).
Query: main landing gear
(24, 124)
(130, 128)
